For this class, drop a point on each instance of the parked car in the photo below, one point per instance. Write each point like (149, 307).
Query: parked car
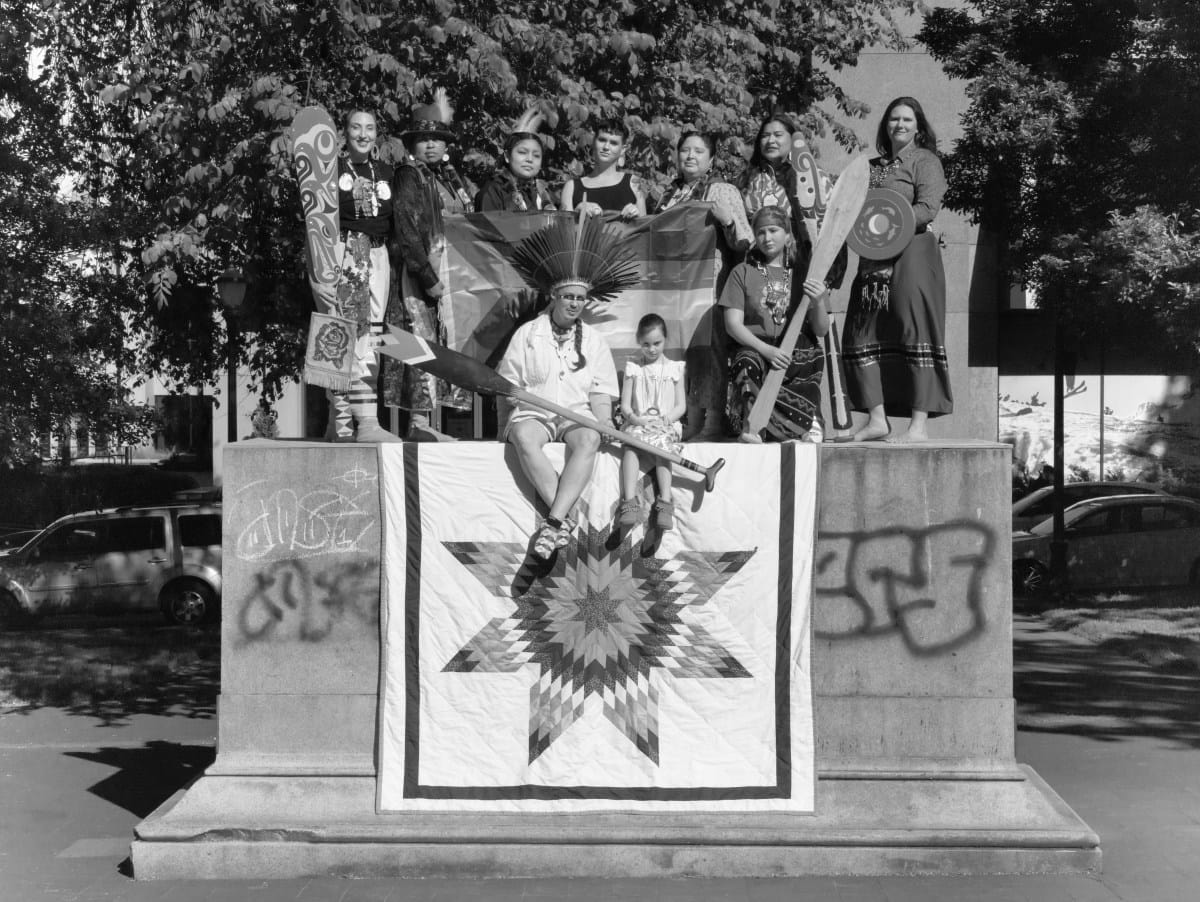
(1125, 541)
(1039, 504)
(122, 559)
(11, 541)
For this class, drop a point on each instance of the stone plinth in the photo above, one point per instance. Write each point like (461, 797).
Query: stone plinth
(912, 677)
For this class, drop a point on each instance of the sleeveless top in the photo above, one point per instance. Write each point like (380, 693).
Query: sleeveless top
(611, 197)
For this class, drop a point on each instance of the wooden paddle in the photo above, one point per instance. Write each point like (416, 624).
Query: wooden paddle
(845, 202)
(478, 377)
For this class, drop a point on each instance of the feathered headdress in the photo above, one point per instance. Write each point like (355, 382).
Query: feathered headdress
(577, 252)
(435, 119)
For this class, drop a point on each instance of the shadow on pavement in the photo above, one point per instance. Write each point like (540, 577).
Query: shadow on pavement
(111, 670)
(146, 777)
(1068, 685)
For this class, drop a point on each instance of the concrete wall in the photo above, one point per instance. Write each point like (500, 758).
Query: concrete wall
(912, 661)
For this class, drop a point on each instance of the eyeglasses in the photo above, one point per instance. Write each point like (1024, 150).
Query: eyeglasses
(581, 298)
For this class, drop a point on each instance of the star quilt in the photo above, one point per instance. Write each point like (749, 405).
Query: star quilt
(636, 670)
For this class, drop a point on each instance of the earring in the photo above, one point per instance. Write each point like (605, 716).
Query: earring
(445, 158)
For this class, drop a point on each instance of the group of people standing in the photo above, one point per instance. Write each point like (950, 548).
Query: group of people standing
(893, 342)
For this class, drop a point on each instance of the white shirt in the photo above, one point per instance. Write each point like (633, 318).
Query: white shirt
(539, 364)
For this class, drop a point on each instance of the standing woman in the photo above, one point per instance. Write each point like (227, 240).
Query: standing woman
(705, 356)
(769, 179)
(607, 186)
(516, 187)
(427, 187)
(365, 220)
(893, 344)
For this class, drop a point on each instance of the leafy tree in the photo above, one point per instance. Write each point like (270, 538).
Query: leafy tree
(180, 109)
(1079, 149)
(60, 339)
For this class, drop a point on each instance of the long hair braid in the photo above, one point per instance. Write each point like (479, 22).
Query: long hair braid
(582, 362)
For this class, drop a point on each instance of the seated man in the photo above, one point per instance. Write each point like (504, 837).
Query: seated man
(560, 358)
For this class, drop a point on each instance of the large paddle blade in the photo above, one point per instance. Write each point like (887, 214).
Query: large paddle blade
(456, 368)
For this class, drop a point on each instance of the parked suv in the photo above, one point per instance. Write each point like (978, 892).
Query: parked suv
(124, 559)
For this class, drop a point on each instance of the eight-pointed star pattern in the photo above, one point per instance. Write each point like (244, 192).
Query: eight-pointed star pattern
(597, 621)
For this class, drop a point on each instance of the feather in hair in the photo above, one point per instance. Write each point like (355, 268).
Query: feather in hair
(529, 121)
(441, 103)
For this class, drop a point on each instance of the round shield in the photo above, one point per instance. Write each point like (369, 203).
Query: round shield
(884, 227)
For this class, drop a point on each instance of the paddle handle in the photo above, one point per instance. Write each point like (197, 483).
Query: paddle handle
(710, 472)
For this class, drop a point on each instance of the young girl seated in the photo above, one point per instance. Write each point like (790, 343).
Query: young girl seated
(653, 399)
(757, 302)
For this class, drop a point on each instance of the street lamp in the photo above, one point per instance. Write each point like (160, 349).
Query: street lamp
(231, 289)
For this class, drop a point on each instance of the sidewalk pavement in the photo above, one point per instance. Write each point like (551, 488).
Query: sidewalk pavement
(1118, 741)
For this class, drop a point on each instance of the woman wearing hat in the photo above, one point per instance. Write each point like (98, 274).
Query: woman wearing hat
(427, 187)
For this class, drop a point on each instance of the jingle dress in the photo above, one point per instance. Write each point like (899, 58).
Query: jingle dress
(763, 294)
(893, 344)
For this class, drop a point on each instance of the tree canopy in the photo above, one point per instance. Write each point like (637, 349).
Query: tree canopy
(172, 118)
(1079, 148)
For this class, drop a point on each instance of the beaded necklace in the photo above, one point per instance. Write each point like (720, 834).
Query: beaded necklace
(882, 171)
(366, 194)
(777, 293)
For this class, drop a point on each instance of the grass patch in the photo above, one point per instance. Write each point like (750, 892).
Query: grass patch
(1158, 628)
(110, 670)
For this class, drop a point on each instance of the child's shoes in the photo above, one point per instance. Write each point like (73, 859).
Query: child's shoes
(662, 514)
(628, 513)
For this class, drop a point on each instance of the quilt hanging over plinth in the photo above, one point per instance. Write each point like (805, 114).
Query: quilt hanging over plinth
(637, 670)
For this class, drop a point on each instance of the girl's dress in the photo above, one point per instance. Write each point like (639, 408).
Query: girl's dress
(893, 344)
(654, 390)
(763, 294)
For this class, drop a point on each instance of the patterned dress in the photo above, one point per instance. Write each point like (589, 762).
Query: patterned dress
(654, 389)
(893, 344)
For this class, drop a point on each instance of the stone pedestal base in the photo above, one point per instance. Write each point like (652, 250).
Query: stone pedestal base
(256, 827)
(912, 683)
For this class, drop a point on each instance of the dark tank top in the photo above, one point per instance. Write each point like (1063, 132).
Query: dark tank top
(613, 197)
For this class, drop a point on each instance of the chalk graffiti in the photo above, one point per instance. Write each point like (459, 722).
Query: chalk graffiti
(292, 599)
(925, 585)
(286, 524)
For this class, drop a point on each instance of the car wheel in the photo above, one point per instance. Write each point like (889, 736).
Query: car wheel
(11, 611)
(188, 602)
(1030, 579)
